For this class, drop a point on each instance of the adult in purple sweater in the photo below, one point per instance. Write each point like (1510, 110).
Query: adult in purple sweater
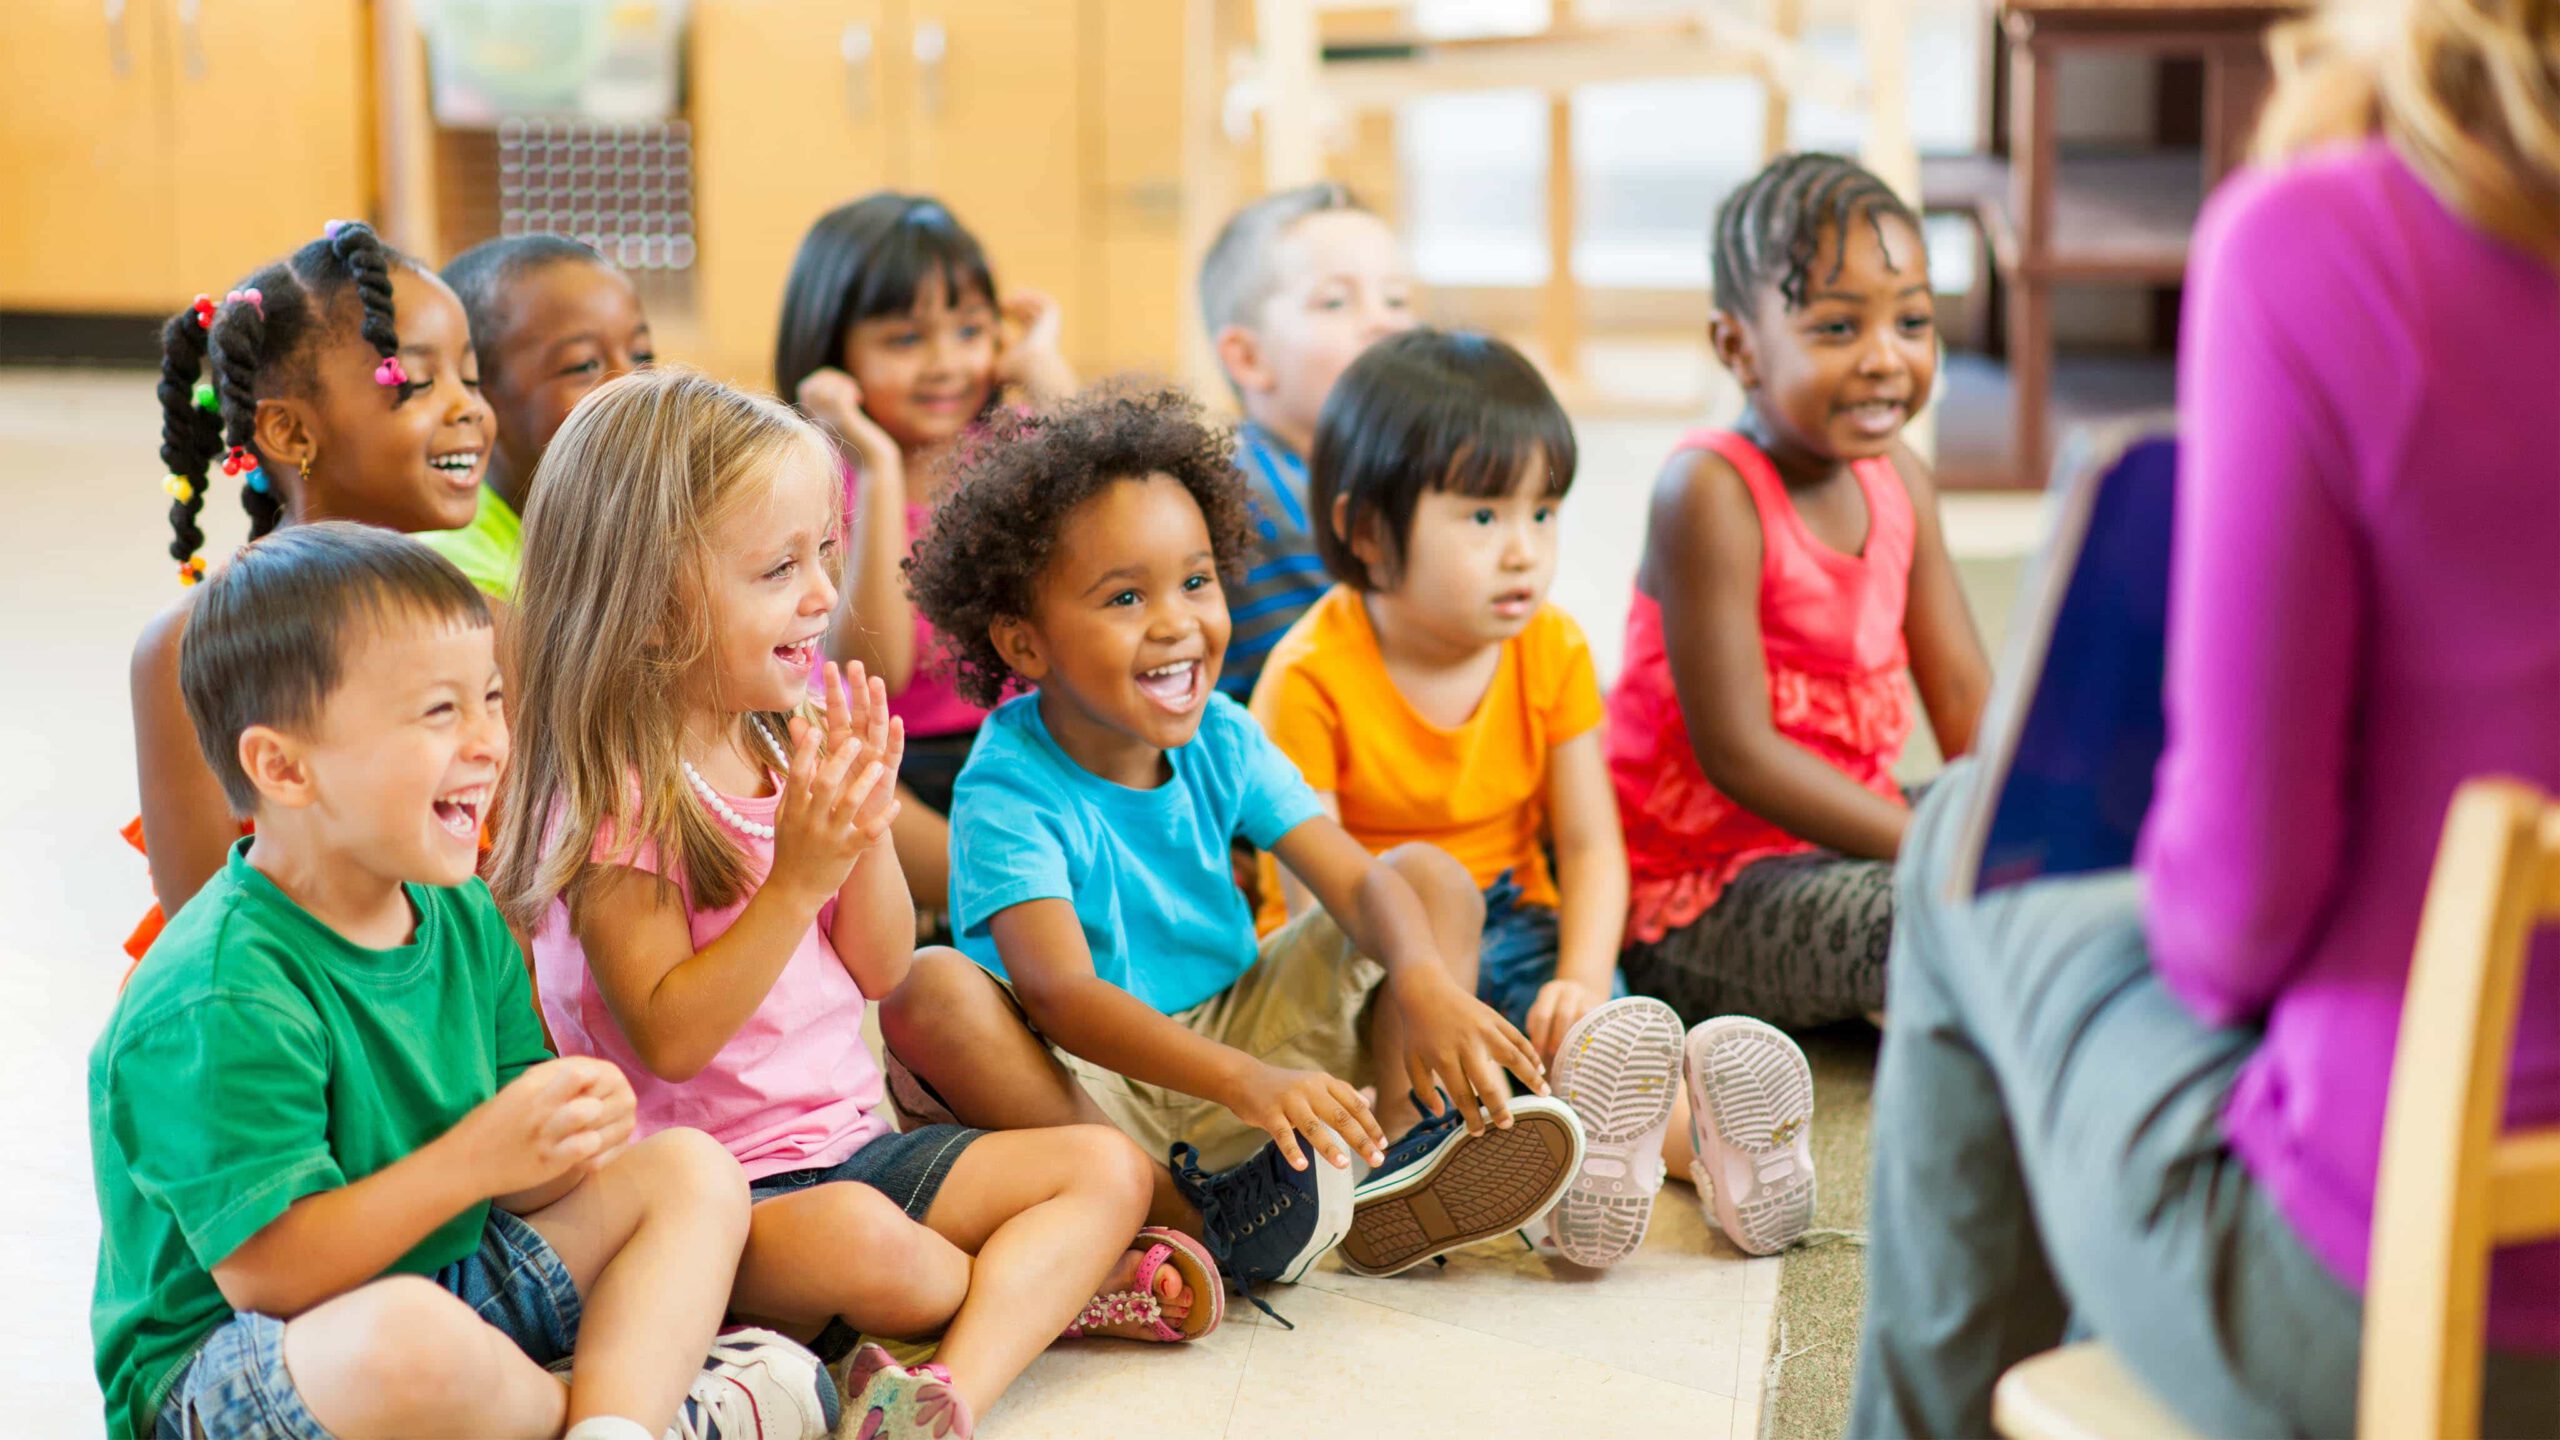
(2151, 1102)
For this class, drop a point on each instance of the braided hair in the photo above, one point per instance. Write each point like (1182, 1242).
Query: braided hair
(1771, 227)
(217, 362)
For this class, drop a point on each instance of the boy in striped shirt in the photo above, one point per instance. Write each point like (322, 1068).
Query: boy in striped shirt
(1295, 287)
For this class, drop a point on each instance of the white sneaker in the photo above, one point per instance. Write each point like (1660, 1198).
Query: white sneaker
(1751, 1112)
(757, 1385)
(1619, 1068)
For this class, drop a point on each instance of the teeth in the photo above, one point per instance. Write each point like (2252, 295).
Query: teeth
(1167, 671)
(459, 462)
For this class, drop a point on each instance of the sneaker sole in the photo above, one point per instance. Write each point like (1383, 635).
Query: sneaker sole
(1619, 1068)
(1751, 1103)
(1476, 1188)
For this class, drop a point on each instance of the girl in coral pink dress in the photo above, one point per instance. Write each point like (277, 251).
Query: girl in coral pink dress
(1793, 572)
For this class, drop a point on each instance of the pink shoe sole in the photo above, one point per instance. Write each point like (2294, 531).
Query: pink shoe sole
(1751, 1113)
(1619, 1068)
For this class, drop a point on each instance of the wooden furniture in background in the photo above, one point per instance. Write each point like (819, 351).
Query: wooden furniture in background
(154, 149)
(2452, 1187)
(1305, 85)
(2112, 217)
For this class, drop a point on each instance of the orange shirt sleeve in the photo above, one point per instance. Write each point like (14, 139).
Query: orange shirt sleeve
(1300, 717)
(1572, 695)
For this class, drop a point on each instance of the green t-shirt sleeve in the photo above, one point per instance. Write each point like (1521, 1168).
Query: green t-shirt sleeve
(222, 1110)
(521, 1045)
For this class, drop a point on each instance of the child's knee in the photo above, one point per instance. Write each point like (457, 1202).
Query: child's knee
(943, 1000)
(1111, 1163)
(407, 1343)
(1447, 891)
(686, 1171)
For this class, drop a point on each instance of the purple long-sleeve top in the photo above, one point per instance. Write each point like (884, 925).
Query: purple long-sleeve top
(2365, 612)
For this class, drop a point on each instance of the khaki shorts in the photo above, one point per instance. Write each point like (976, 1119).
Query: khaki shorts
(1303, 1006)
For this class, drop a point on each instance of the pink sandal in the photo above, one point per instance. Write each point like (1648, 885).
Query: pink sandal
(890, 1401)
(1139, 1304)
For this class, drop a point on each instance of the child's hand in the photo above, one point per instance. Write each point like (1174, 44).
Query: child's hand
(1560, 1006)
(1032, 361)
(858, 715)
(556, 1115)
(1287, 1103)
(826, 819)
(1455, 1042)
(830, 397)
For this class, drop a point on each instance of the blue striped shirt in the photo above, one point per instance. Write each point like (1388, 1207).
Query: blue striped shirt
(1285, 576)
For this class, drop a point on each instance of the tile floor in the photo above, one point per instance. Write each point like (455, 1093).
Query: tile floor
(1498, 1344)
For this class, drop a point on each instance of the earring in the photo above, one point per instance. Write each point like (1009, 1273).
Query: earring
(310, 468)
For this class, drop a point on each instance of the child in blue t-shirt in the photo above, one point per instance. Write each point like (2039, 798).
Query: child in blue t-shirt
(1084, 553)
(324, 1124)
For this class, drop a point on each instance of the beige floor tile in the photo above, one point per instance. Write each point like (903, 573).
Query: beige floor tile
(1127, 1391)
(1356, 1369)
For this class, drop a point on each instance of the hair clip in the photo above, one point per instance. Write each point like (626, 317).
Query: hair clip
(180, 488)
(256, 479)
(390, 372)
(256, 301)
(237, 461)
(206, 399)
(203, 307)
(191, 570)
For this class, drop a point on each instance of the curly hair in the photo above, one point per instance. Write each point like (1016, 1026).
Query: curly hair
(988, 542)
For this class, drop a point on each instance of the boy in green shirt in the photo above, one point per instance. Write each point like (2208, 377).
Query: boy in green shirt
(345, 1189)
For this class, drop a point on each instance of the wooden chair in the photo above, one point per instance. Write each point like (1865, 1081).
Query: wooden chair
(2452, 1187)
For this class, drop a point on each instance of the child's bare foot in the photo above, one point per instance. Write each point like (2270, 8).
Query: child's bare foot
(1154, 1269)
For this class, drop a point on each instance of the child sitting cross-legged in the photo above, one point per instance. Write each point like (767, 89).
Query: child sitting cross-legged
(698, 855)
(1085, 553)
(1434, 695)
(345, 1189)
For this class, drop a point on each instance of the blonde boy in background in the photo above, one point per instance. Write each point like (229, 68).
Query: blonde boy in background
(1296, 285)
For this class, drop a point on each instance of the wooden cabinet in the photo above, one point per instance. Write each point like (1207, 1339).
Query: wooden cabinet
(151, 149)
(1007, 113)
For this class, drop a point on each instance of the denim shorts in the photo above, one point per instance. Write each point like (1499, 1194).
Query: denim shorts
(235, 1387)
(1519, 953)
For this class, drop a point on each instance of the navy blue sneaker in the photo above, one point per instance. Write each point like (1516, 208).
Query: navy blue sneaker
(1440, 1188)
(1263, 1221)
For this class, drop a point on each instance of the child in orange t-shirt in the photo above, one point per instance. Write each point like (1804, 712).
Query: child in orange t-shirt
(1434, 695)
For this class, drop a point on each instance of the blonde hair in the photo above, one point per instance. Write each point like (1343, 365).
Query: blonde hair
(611, 624)
(2468, 92)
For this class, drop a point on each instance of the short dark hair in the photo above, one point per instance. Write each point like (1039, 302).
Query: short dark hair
(482, 275)
(990, 539)
(1770, 228)
(267, 640)
(865, 260)
(1445, 410)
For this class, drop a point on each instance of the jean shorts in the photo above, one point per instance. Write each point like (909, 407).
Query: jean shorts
(1518, 955)
(235, 1387)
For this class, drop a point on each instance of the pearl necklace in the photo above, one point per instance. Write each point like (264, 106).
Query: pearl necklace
(718, 805)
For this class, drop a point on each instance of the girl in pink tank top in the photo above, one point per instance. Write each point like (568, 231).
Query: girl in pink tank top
(1793, 572)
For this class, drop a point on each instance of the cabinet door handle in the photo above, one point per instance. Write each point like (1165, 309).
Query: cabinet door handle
(854, 45)
(191, 31)
(119, 46)
(933, 43)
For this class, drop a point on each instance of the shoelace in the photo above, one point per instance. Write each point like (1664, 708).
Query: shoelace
(1210, 1193)
(715, 1407)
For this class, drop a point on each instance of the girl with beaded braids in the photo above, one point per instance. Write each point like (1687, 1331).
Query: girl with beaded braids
(336, 384)
(1793, 571)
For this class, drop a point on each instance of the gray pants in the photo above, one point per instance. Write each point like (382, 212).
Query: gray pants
(1797, 941)
(2049, 1152)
